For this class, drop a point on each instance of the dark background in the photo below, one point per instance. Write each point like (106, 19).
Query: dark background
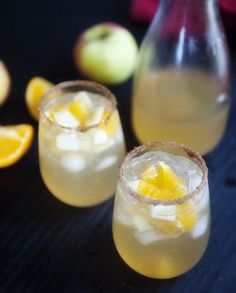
(46, 246)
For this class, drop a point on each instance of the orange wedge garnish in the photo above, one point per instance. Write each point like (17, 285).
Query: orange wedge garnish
(162, 183)
(79, 110)
(14, 143)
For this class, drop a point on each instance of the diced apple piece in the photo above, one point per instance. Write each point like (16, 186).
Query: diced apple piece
(83, 97)
(163, 212)
(65, 118)
(94, 115)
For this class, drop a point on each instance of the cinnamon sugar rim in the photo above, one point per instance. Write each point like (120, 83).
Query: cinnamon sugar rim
(153, 146)
(85, 85)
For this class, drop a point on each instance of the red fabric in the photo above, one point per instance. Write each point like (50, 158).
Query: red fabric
(144, 10)
(228, 6)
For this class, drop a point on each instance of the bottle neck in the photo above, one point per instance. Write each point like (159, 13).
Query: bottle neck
(183, 5)
(193, 16)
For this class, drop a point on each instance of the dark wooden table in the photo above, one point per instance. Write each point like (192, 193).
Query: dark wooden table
(46, 246)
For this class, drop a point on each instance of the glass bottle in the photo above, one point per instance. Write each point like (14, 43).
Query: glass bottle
(181, 84)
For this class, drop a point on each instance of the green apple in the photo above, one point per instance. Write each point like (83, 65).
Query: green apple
(5, 82)
(106, 53)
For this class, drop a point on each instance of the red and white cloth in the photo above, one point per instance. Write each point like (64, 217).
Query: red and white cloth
(144, 10)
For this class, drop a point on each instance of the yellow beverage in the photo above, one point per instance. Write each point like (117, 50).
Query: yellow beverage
(81, 144)
(186, 106)
(157, 237)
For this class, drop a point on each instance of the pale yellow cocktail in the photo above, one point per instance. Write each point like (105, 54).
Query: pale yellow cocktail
(81, 143)
(161, 218)
(183, 105)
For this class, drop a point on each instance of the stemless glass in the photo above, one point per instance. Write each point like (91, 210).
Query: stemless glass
(162, 238)
(79, 165)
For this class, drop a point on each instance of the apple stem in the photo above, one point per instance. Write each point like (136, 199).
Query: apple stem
(104, 35)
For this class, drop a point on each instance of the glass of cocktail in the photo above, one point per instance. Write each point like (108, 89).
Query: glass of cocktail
(81, 142)
(161, 218)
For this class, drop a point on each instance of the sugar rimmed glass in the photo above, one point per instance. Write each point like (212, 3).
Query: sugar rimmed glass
(161, 238)
(79, 165)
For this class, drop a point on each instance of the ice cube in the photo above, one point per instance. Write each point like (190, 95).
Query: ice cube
(201, 227)
(194, 180)
(140, 223)
(106, 163)
(103, 147)
(94, 115)
(84, 98)
(99, 141)
(73, 162)
(65, 118)
(203, 199)
(133, 185)
(84, 141)
(68, 142)
(123, 217)
(163, 212)
(99, 136)
(119, 137)
(149, 237)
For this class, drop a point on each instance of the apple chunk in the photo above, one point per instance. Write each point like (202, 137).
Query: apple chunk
(5, 83)
(106, 53)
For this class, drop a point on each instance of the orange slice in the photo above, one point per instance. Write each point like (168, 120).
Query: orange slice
(186, 219)
(187, 216)
(79, 110)
(167, 179)
(35, 89)
(14, 143)
(111, 125)
(162, 183)
(146, 189)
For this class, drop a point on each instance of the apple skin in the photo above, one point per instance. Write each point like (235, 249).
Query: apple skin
(5, 82)
(106, 53)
